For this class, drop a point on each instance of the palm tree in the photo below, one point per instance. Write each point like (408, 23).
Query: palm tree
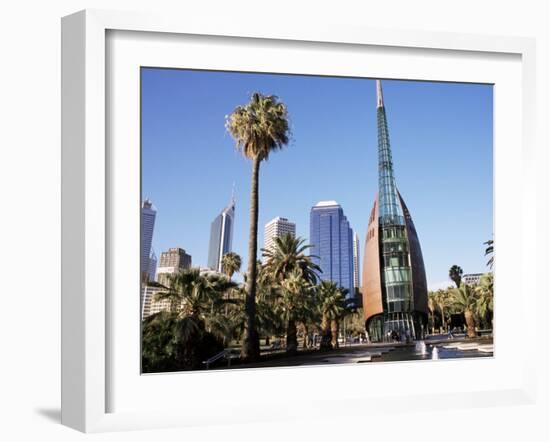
(231, 263)
(441, 299)
(465, 300)
(286, 255)
(490, 250)
(455, 273)
(259, 128)
(331, 301)
(192, 293)
(485, 294)
(295, 291)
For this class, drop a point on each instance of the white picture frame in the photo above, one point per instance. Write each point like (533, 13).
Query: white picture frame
(87, 210)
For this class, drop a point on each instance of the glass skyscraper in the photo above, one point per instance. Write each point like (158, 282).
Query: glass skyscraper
(331, 239)
(221, 236)
(147, 225)
(394, 278)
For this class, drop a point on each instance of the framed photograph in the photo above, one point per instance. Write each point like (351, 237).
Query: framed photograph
(249, 214)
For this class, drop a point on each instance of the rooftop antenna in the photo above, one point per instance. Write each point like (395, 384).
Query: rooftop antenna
(233, 194)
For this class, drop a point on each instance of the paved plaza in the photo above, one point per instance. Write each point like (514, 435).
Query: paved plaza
(430, 349)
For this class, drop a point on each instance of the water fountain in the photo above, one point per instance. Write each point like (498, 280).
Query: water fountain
(420, 348)
(435, 353)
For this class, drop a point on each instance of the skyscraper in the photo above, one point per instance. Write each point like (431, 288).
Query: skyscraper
(394, 279)
(152, 265)
(356, 263)
(147, 225)
(275, 228)
(332, 244)
(221, 236)
(172, 261)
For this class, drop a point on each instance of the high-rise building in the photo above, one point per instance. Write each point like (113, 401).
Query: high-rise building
(332, 243)
(152, 266)
(275, 228)
(356, 262)
(395, 294)
(147, 225)
(172, 261)
(472, 278)
(221, 236)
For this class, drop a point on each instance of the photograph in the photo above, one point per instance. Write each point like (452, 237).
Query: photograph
(294, 220)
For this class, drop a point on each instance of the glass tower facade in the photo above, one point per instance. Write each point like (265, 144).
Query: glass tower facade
(331, 239)
(147, 225)
(221, 236)
(400, 288)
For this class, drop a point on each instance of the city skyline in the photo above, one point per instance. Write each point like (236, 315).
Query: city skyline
(185, 227)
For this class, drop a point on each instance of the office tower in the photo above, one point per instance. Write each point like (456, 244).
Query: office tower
(152, 266)
(275, 228)
(172, 261)
(332, 244)
(147, 225)
(356, 263)
(221, 236)
(394, 280)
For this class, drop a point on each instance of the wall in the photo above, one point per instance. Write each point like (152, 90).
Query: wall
(30, 183)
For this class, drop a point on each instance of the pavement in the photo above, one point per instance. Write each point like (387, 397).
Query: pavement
(372, 353)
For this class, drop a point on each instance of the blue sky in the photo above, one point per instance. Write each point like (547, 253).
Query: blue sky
(440, 134)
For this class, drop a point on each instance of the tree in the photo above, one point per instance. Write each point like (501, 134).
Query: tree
(192, 293)
(332, 306)
(455, 273)
(288, 266)
(465, 300)
(231, 263)
(258, 128)
(287, 255)
(489, 251)
(432, 305)
(295, 292)
(484, 306)
(441, 299)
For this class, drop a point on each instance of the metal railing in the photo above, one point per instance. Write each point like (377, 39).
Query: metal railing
(227, 353)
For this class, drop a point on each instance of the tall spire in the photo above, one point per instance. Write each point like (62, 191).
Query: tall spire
(390, 210)
(379, 95)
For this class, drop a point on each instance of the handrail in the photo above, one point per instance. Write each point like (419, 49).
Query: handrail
(225, 353)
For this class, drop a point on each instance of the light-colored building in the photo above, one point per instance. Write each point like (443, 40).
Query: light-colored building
(472, 278)
(149, 306)
(172, 261)
(147, 225)
(356, 263)
(275, 228)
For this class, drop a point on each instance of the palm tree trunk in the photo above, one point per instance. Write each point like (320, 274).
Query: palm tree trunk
(442, 320)
(251, 345)
(470, 323)
(334, 333)
(326, 338)
(291, 337)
